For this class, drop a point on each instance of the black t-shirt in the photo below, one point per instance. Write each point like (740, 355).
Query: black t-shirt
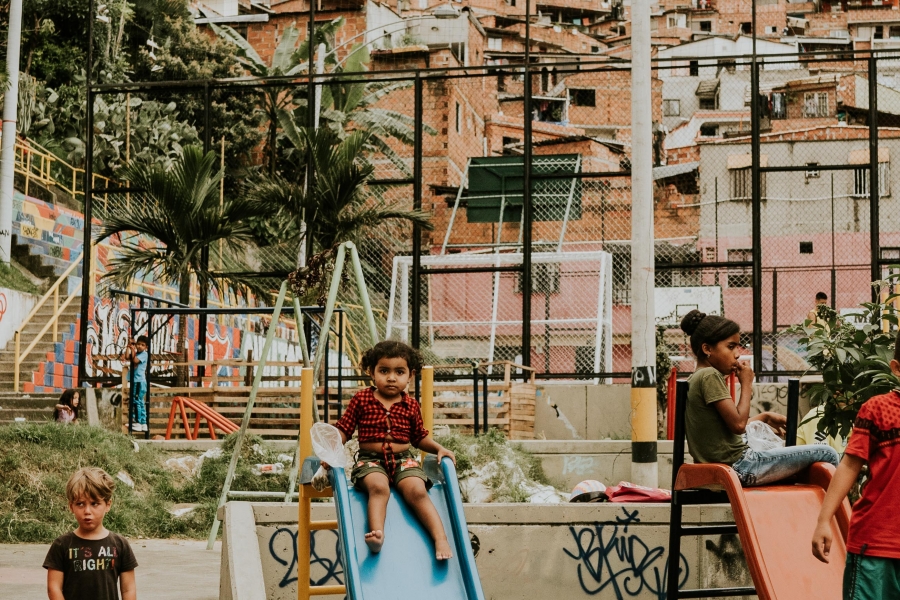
(91, 568)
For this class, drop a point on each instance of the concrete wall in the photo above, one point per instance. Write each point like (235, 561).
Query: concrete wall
(609, 461)
(523, 552)
(14, 307)
(602, 412)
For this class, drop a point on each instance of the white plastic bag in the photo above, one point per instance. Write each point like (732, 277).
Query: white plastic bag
(761, 437)
(327, 444)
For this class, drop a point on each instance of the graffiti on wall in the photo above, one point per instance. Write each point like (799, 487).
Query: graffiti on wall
(323, 544)
(610, 558)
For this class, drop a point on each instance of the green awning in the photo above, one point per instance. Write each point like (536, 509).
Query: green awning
(498, 181)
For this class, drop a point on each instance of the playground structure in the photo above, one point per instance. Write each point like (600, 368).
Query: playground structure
(775, 522)
(456, 578)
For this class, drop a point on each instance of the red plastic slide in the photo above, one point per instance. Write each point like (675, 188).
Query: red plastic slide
(776, 524)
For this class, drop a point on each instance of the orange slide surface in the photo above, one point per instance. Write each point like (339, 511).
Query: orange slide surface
(776, 525)
(214, 419)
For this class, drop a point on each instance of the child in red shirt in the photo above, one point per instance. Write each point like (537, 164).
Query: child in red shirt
(873, 545)
(390, 422)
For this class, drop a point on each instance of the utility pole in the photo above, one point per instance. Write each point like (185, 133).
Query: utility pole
(644, 470)
(8, 148)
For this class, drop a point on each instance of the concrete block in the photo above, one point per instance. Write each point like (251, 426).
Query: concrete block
(560, 412)
(526, 551)
(608, 412)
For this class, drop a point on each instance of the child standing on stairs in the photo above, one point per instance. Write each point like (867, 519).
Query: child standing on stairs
(137, 354)
(872, 571)
(714, 424)
(390, 423)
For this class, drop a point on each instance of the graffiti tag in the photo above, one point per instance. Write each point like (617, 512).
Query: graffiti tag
(333, 568)
(579, 465)
(609, 557)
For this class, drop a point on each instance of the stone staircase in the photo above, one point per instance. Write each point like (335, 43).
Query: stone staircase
(46, 352)
(31, 407)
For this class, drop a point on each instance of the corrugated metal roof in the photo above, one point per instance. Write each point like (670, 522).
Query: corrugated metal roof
(673, 170)
(708, 88)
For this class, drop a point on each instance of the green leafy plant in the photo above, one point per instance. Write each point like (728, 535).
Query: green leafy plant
(853, 353)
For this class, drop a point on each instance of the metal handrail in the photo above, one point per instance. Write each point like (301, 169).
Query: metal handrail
(41, 169)
(54, 320)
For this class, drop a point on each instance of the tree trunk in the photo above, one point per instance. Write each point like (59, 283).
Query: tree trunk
(184, 297)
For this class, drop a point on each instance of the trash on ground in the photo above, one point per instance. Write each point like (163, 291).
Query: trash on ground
(125, 478)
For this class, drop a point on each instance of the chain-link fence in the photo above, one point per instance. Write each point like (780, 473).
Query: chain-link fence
(450, 139)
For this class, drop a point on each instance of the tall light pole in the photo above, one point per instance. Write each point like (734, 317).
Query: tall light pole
(8, 148)
(644, 470)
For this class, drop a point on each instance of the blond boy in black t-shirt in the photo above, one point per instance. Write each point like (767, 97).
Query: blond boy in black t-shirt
(86, 564)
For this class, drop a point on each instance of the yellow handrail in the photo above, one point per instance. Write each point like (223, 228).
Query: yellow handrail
(35, 162)
(57, 310)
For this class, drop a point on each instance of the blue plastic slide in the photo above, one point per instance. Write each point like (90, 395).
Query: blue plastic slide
(406, 567)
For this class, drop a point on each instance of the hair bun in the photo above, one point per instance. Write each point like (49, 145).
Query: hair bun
(691, 321)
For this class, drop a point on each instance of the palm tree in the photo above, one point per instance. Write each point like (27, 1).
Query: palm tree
(338, 208)
(287, 60)
(179, 209)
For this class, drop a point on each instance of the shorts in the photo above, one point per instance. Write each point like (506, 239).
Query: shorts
(871, 578)
(405, 464)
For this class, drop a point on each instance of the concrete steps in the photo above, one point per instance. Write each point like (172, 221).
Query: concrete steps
(31, 407)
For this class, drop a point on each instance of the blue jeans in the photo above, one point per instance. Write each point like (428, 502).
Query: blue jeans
(760, 468)
(138, 406)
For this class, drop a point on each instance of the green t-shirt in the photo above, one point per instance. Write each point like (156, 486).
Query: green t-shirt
(709, 439)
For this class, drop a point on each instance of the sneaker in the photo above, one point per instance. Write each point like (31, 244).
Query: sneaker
(138, 427)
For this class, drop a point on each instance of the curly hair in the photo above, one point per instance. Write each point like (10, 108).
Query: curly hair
(390, 349)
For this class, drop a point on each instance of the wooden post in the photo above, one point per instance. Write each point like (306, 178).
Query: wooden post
(304, 508)
(56, 314)
(427, 401)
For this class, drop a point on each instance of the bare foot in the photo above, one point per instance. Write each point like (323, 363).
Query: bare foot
(374, 540)
(442, 549)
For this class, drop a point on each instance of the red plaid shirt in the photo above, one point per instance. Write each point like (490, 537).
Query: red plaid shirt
(403, 421)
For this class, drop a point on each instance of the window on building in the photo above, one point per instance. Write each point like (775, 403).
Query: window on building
(495, 43)
(894, 32)
(740, 277)
(878, 32)
(694, 68)
(779, 105)
(458, 117)
(861, 181)
(583, 97)
(747, 28)
(676, 20)
(672, 108)
(706, 26)
(707, 130)
(621, 262)
(815, 104)
(544, 279)
(742, 184)
(806, 247)
(709, 102)
(584, 359)
(772, 29)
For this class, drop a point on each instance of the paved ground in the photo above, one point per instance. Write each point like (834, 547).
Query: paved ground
(182, 569)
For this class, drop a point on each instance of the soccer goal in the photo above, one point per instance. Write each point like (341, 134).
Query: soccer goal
(478, 316)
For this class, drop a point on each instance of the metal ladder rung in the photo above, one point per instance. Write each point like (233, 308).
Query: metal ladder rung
(714, 592)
